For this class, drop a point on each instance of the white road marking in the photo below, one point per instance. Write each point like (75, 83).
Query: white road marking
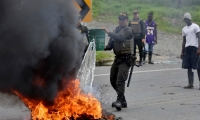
(148, 71)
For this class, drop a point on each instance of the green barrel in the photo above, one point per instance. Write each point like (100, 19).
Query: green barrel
(99, 36)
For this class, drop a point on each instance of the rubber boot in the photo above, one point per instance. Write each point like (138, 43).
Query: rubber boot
(198, 73)
(190, 80)
(150, 57)
(144, 57)
(118, 103)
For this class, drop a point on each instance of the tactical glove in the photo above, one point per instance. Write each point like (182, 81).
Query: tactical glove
(132, 60)
(105, 48)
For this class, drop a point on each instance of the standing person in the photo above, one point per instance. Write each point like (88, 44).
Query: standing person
(121, 41)
(84, 31)
(137, 25)
(190, 49)
(151, 37)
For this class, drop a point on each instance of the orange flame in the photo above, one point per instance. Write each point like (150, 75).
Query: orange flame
(69, 103)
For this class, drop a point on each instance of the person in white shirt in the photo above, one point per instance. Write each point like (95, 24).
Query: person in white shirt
(190, 49)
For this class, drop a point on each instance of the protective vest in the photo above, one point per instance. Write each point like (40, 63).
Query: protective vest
(136, 26)
(123, 46)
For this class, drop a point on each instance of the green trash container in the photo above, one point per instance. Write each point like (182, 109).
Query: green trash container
(99, 36)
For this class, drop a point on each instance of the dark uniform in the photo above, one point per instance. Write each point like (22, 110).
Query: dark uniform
(121, 41)
(84, 30)
(139, 33)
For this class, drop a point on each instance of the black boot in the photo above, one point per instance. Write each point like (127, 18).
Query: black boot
(141, 56)
(118, 103)
(144, 57)
(140, 61)
(124, 103)
(150, 57)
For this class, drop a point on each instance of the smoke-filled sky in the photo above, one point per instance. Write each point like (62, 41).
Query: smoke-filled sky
(38, 42)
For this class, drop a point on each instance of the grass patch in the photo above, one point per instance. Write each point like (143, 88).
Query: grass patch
(104, 55)
(168, 14)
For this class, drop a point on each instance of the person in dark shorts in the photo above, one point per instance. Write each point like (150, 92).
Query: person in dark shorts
(190, 49)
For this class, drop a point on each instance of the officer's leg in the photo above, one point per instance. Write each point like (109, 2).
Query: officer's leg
(140, 47)
(134, 48)
(190, 79)
(136, 43)
(113, 74)
(121, 78)
(144, 53)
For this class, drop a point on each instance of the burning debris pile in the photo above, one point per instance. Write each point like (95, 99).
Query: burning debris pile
(70, 103)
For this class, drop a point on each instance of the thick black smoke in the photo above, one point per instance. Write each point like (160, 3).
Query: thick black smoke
(39, 42)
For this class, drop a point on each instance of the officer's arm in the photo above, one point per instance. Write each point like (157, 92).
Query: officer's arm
(109, 46)
(129, 23)
(122, 35)
(86, 32)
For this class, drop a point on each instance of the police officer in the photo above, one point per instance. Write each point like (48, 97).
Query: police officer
(137, 25)
(121, 41)
(84, 31)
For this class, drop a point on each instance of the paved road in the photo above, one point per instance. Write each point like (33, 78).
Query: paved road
(11, 108)
(155, 93)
